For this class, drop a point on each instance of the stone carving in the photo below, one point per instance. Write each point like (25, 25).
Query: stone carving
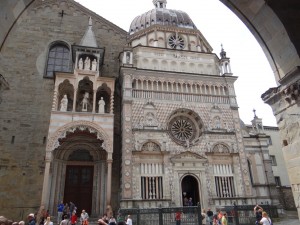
(80, 64)
(217, 122)
(207, 146)
(64, 104)
(101, 104)
(94, 65)
(85, 101)
(150, 146)
(87, 63)
(150, 120)
(234, 148)
(127, 57)
(220, 148)
(53, 141)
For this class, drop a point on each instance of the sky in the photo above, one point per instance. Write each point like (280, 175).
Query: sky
(219, 26)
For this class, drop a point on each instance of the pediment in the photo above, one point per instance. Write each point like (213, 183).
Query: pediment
(187, 156)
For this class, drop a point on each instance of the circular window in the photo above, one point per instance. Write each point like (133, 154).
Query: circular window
(182, 128)
(176, 41)
(185, 127)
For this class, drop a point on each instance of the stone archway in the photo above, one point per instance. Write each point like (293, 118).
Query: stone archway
(78, 137)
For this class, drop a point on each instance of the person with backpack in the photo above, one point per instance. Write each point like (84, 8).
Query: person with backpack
(265, 219)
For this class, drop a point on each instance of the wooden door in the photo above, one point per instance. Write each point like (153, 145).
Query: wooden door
(79, 187)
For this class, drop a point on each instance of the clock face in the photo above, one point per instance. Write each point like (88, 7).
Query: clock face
(176, 41)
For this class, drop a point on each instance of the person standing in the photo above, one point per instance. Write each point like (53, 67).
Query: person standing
(65, 221)
(129, 220)
(73, 218)
(210, 215)
(203, 216)
(48, 221)
(224, 219)
(60, 209)
(84, 217)
(31, 219)
(178, 218)
(258, 213)
(265, 219)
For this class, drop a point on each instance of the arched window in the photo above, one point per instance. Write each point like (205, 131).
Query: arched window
(58, 59)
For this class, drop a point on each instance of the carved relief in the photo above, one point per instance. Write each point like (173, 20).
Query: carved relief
(150, 146)
(220, 148)
(53, 140)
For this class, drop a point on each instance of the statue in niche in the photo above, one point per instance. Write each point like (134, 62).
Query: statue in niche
(64, 104)
(85, 101)
(101, 104)
(80, 64)
(210, 126)
(127, 57)
(217, 123)
(207, 147)
(87, 63)
(150, 120)
(94, 65)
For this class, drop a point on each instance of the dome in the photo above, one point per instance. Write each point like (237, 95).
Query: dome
(161, 16)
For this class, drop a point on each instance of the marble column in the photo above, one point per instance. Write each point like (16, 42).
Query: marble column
(108, 183)
(74, 100)
(94, 101)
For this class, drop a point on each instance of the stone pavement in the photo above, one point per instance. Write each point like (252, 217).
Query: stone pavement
(290, 218)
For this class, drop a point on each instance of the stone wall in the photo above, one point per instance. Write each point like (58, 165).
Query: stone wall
(25, 109)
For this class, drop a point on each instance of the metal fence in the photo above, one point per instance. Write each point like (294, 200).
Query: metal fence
(237, 215)
(164, 216)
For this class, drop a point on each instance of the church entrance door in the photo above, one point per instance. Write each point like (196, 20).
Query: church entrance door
(190, 189)
(79, 187)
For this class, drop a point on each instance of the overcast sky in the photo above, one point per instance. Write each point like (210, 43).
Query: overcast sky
(219, 26)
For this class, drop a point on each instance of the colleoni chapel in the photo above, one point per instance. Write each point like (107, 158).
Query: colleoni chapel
(104, 117)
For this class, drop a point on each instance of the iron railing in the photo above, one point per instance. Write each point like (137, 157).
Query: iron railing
(236, 215)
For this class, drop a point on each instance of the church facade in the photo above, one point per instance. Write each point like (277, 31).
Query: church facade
(112, 119)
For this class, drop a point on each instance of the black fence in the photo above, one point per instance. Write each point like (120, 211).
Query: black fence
(236, 215)
(244, 214)
(164, 216)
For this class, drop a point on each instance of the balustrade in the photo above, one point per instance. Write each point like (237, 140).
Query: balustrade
(175, 96)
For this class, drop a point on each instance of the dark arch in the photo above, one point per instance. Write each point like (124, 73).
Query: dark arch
(190, 189)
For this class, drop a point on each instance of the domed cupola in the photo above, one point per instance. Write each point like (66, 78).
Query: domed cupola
(162, 16)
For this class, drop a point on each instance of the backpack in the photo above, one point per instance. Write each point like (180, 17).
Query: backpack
(270, 222)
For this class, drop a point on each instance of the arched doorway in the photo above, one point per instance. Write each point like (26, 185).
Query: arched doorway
(79, 171)
(190, 189)
(79, 180)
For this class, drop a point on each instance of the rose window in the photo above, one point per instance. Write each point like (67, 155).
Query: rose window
(185, 127)
(182, 129)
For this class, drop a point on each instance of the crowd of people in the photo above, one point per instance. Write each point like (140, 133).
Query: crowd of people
(67, 215)
(220, 217)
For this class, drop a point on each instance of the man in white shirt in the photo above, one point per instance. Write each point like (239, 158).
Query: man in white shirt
(129, 220)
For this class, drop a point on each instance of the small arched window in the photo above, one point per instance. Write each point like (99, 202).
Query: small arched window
(58, 59)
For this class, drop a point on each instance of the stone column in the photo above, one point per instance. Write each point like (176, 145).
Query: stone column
(54, 102)
(111, 103)
(45, 192)
(108, 184)
(94, 100)
(74, 100)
